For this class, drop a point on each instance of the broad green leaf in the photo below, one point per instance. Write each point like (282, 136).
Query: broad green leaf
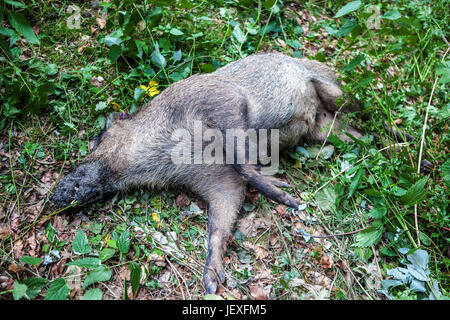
(34, 285)
(355, 182)
(93, 294)
(80, 243)
(114, 53)
(20, 23)
(106, 253)
(176, 56)
(416, 193)
(176, 32)
(238, 35)
(369, 236)
(135, 277)
(326, 199)
(158, 59)
(58, 290)
(391, 15)
(138, 93)
(349, 7)
(154, 17)
(269, 4)
(31, 260)
(419, 258)
(355, 62)
(15, 4)
(378, 211)
(100, 106)
(100, 275)
(19, 290)
(90, 262)
(123, 243)
(445, 173)
(443, 70)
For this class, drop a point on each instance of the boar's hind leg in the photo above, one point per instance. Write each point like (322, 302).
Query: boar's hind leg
(224, 193)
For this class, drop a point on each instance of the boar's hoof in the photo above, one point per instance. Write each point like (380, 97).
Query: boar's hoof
(210, 277)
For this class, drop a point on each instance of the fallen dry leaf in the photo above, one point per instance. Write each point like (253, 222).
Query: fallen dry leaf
(280, 209)
(4, 231)
(258, 292)
(261, 252)
(182, 200)
(101, 22)
(14, 268)
(326, 262)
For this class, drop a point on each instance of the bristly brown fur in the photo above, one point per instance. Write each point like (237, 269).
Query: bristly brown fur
(263, 91)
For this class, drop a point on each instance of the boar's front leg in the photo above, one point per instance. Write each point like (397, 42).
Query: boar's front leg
(267, 185)
(224, 190)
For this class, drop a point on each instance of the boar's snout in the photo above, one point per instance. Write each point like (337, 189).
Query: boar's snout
(88, 183)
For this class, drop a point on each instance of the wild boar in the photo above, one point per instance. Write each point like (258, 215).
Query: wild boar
(292, 98)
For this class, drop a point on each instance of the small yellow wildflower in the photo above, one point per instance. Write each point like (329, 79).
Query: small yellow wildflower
(152, 88)
(155, 216)
(116, 106)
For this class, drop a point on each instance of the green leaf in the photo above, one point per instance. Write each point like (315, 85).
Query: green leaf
(58, 290)
(154, 17)
(114, 52)
(20, 23)
(31, 260)
(15, 4)
(326, 199)
(19, 290)
(135, 277)
(238, 35)
(80, 243)
(176, 32)
(100, 275)
(415, 193)
(138, 93)
(445, 173)
(100, 106)
(349, 7)
(106, 253)
(443, 70)
(391, 15)
(355, 62)
(355, 183)
(89, 262)
(379, 210)
(269, 4)
(34, 285)
(123, 243)
(371, 235)
(93, 294)
(158, 59)
(177, 56)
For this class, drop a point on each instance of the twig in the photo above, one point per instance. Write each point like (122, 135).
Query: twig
(422, 143)
(339, 234)
(178, 275)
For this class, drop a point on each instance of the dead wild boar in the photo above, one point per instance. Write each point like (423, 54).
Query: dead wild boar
(262, 91)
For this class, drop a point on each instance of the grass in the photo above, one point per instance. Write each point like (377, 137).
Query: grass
(368, 209)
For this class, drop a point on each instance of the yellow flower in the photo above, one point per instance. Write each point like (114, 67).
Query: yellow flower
(155, 216)
(152, 88)
(116, 106)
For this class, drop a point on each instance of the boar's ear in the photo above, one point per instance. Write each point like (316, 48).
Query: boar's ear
(95, 141)
(328, 92)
